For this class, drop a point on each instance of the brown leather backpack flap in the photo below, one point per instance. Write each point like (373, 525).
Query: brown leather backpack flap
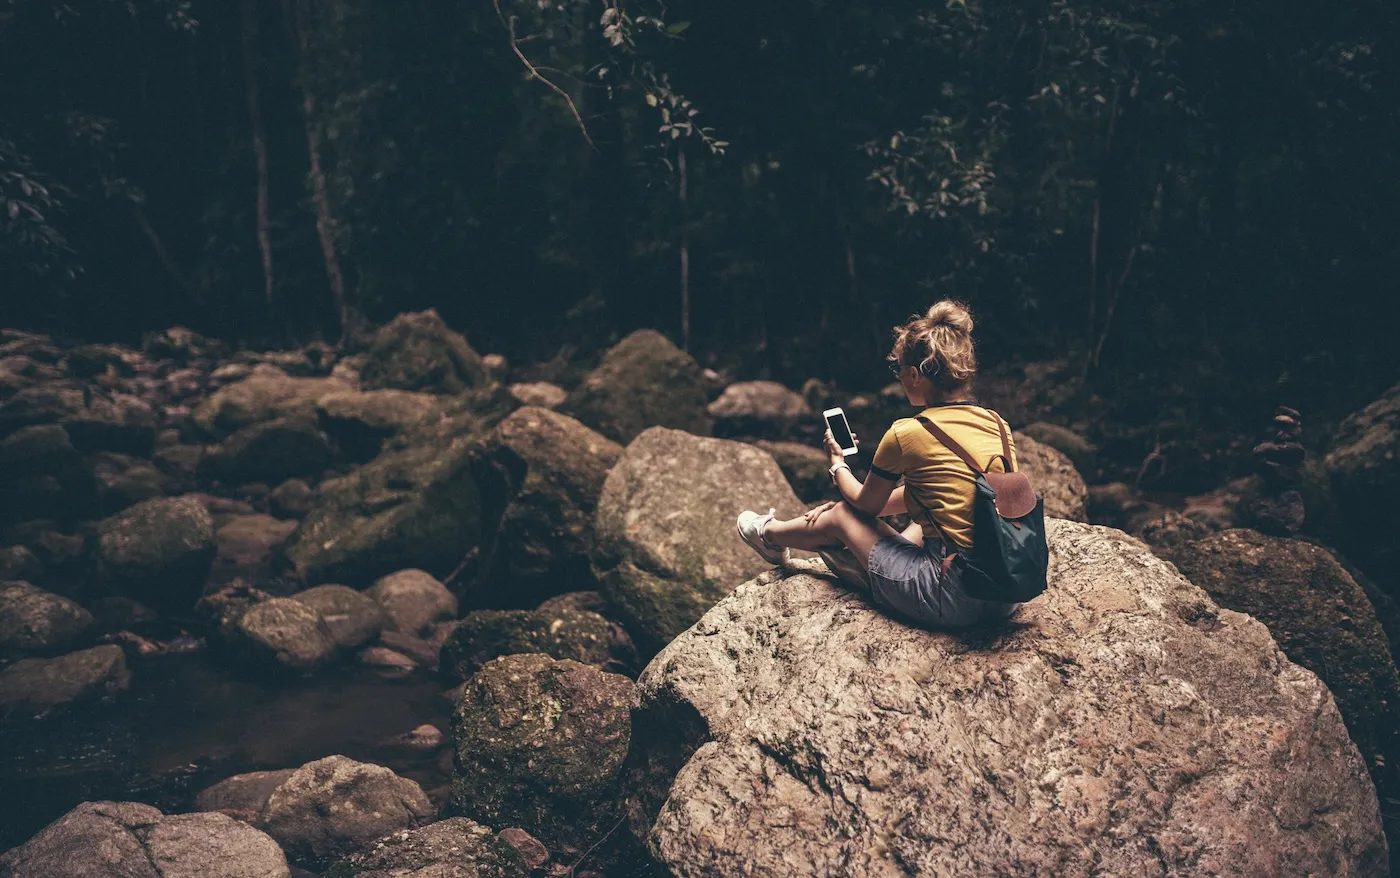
(1015, 496)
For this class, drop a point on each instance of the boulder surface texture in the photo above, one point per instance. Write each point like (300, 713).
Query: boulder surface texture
(335, 806)
(132, 840)
(644, 381)
(414, 506)
(666, 547)
(158, 551)
(1120, 721)
(1322, 620)
(539, 474)
(419, 352)
(1054, 478)
(452, 848)
(541, 743)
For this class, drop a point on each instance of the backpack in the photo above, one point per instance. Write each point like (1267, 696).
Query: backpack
(1009, 557)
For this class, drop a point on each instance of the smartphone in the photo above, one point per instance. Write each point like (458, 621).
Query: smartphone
(840, 430)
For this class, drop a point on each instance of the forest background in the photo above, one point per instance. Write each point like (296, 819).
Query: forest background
(1179, 200)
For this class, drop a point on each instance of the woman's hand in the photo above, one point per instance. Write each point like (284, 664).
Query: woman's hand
(834, 451)
(813, 514)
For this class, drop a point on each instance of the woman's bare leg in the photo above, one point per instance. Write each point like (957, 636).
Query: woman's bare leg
(841, 523)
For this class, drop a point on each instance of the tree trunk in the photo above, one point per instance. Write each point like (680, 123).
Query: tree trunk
(685, 252)
(250, 82)
(320, 196)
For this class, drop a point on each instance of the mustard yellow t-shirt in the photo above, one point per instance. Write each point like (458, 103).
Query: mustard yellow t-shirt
(935, 478)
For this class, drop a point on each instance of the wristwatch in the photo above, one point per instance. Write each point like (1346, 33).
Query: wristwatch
(835, 467)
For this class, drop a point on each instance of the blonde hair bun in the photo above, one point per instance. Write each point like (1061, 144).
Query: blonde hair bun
(950, 313)
(940, 344)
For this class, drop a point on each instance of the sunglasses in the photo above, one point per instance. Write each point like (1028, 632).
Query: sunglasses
(896, 368)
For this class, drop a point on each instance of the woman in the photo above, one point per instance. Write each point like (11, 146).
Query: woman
(915, 573)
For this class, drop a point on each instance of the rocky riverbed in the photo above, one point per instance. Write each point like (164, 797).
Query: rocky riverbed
(409, 610)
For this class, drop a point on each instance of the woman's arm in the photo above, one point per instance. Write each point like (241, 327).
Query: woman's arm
(870, 497)
(895, 504)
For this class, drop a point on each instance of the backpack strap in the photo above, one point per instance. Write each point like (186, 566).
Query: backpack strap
(941, 436)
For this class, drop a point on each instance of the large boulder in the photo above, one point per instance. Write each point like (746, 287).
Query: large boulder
(1081, 452)
(560, 633)
(807, 469)
(412, 507)
(419, 352)
(94, 420)
(266, 394)
(269, 452)
(132, 840)
(248, 546)
(446, 849)
(412, 601)
(123, 481)
(1121, 719)
(159, 551)
(643, 381)
(1322, 620)
(1054, 477)
(758, 408)
(42, 476)
(539, 474)
(242, 796)
(666, 548)
(541, 743)
(336, 806)
(360, 421)
(35, 622)
(283, 633)
(353, 618)
(1363, 466)
(40, 684)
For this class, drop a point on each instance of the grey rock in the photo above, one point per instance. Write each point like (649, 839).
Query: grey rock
(419, 352)
(335, 806)
(538, 393)
(124, 481)
(666, 546)
(248, 547)
(541, 743)
(360, 421)
(411, 507)
(94, 840)
(1055, 479)
(561, 633)
(1322, 619)
(210, 845)
(353, 618)
(1121, 710)
(18, 562)
(758, 408)
(243, 795)
(40, 684)
(270, 451)
(286, 632)
(539, 474)
(159, 551)
(453, 848)
(265, 394)
(291, 499)
(412, 600)
(1081, 452)
(806, 468)
(643, 381)
(35, 622)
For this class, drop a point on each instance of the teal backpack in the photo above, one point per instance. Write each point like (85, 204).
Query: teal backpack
(1009, 557)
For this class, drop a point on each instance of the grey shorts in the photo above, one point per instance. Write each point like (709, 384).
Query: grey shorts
(908, 579)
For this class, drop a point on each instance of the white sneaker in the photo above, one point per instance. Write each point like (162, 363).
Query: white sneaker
(751, 526)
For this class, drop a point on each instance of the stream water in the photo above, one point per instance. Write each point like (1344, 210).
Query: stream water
(188, 722)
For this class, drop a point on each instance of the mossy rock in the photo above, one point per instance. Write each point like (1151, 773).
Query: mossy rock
(540, 743)
(420, 352)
